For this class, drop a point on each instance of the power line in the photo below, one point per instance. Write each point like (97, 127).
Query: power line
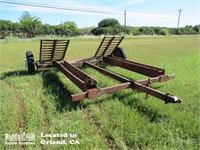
(87, 11)
(61, 8)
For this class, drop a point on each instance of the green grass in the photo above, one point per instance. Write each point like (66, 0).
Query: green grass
(123, 120)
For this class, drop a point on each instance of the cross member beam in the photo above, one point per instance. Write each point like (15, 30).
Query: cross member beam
(139, 85)
(149, 71)
(77, 76)
(96, 92)
(161, 78)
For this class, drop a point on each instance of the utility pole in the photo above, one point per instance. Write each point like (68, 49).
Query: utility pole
(125, 21)
(124, 18)
(179, 16)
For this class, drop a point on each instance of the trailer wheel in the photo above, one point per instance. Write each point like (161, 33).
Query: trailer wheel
(119, 52)
(30, 62)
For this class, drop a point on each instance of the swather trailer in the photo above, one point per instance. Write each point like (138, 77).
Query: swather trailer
(52, 53)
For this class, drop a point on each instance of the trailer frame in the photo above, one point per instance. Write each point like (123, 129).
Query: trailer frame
(52, 53)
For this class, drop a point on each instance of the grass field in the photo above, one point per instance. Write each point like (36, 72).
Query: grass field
(124, 120)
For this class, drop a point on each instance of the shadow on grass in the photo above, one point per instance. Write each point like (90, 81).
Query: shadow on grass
(153, 114)
(129, 100)
(52, 85)
(62, 96)
(18, 73)
(13, 74)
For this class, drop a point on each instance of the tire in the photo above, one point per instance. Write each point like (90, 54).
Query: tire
(30, 62)
(119, 52)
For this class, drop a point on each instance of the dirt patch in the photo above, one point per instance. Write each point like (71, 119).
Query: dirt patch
(110, 141)
(46, 121)
(20, 110)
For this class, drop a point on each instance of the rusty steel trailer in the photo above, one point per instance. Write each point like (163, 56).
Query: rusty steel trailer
(52, 53)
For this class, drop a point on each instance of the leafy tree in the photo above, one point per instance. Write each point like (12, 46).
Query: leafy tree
(86, 31)
(146, 30)
(108, 26)
(48, 29)
(157, 30)
(59, 30)
(70, 28)
(197, 29)
(172, 31)
(30, 25)
(134, 31)
(106, 31)
(16, 29)
(187, 30)
(5, 28)
(126, 30)
(163, 31)
(110, 22)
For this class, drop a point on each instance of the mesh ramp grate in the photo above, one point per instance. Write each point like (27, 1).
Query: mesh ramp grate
(108, 45)
(53, 50)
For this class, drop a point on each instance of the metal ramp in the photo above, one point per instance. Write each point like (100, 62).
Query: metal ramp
(108, 45)
(52, 50)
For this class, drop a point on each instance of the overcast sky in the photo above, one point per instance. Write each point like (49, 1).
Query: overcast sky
(139, 12)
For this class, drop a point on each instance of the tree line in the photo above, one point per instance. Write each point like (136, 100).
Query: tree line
(29, 27)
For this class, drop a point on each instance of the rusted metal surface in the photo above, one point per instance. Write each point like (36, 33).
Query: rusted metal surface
(93, 60)
(163, 96)
(78, 77)
(72, 77)
(41, 65)
(79, 73)
(52, 53)
(53, 50)
(93, 93)
(96, 92)
(140, 85)
(161, 78)
(136, 67)
(108, 45)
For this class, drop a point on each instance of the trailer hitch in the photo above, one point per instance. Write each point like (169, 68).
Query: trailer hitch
(172, 99)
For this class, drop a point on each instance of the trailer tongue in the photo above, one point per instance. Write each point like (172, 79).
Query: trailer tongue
(52, 53)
